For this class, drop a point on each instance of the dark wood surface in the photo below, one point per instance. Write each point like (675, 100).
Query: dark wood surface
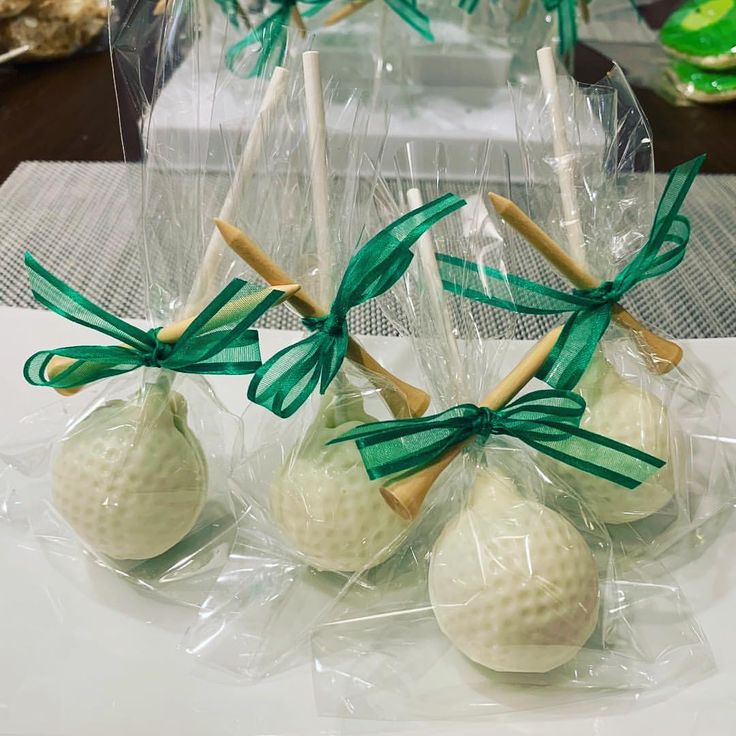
(60, 111)
(66, 111)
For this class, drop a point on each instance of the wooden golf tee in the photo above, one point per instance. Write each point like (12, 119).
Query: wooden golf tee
(345, 12)
(296, 16)
(407, 495)
(169, 335)
(205, 280)
(403, 395)
(660, 354)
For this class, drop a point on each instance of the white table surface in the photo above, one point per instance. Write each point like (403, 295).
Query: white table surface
(94, 659)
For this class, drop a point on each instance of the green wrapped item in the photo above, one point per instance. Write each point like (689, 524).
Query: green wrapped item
(703, 85)
(702, 32)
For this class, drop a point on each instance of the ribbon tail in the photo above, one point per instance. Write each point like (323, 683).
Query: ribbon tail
(240, 356)
(600, 456)
(285, 381)
(569, 358)
(503, 290)
(218, 339)
(403, 446)
(410, 13)
(271, 35)
(332, 360)
(59, 297)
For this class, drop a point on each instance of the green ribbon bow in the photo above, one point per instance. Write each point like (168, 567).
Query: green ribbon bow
(590, 309)
(218, 340)
(544, 420)
(283, 383)
(271, 34)
(566, 22)
(231, 10)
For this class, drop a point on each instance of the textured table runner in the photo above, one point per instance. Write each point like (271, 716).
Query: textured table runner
(82, 221)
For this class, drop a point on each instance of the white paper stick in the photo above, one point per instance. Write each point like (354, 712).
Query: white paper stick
(433, 282)
(204, 284)
(13, 53)
(565, 163)
(317, 128)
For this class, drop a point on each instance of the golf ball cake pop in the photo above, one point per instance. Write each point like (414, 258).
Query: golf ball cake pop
(325, 504)
(631, 415)
(131, 478)
(513, 584)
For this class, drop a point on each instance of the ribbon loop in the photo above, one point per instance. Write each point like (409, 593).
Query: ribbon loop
(271, 35)
(547, 421)
(218, 341)
(283, 383)
(590, 310)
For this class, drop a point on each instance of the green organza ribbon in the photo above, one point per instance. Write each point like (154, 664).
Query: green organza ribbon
(410, 13)
(566, 22)
(547, 421)
(469, 6)
(283, 383)
(271, 35)
(231, 10)
(218, 341)
(590, 309)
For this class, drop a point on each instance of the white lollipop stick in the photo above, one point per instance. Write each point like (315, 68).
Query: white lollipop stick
(205, 281)
(565, 169)
(14, 53)
(317, 128)
(433, 281)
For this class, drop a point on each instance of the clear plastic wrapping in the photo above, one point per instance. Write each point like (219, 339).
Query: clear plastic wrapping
(509, 592)
(135, 472)
(493, 576)
(305, 528)
(673, 411)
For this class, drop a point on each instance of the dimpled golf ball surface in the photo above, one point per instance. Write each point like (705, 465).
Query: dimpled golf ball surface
(130, 478)
(326, 505)
(627, 413)
(512, 583)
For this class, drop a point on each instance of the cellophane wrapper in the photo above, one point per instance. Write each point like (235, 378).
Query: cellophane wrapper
(307, 525)
(134, 475)
(675, 414)
(507, 594)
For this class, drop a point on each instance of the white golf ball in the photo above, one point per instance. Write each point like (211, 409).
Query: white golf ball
(325, 504)
(131, 478)
(627, 413)
(513, 583)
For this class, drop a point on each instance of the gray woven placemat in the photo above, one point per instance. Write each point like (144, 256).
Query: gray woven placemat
(81, 221)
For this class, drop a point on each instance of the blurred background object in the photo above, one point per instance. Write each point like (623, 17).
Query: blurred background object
(65, 109)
